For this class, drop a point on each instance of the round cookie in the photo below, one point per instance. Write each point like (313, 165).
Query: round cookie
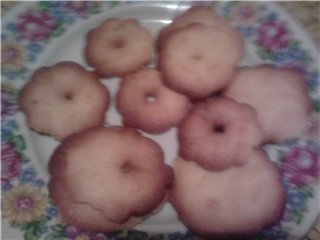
(198, 14)
(219, 133)
(118, 46)
(145, 103)
(107, 179)
(279, 96)
(198, 60)
(64, 99)
(195, 14)
(236, 202)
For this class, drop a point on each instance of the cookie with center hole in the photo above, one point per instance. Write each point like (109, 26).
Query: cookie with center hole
(108, 179)
(146, 103)
(118, 46)
(64, 99)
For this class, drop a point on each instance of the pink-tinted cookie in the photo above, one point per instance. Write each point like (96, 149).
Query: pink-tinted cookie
(219, 133)
(118, 46)
(145, 103)
(107, 179)
(64, 99)
(231, 203)
(197, 14)
(199, 60)
(279, 96)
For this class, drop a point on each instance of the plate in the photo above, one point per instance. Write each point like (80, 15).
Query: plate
(42, 33)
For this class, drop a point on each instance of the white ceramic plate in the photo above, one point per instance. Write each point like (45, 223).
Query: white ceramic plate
(43, 33)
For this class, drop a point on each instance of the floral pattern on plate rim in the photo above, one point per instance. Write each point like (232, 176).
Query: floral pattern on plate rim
(25, 202)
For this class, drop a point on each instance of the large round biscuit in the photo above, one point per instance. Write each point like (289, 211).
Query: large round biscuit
(64, 99)
(231, 203)
(111, 174)
(199, 60)
(279, 96)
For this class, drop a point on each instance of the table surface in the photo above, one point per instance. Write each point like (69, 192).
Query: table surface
(307, 13)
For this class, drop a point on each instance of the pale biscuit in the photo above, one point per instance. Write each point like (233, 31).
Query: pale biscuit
(118, 46)
(64, 99)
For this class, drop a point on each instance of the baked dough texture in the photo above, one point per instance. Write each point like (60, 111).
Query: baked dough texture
(64, 99)
(199, 60)
(219, 133)
(118, 46)
(146, 103)
(108, 179)
(239, 201)
(279, 96)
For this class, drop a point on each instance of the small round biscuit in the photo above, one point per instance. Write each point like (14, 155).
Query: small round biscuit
(145, 103)
(108, 179)
(118, 46)
(198, 60)
(236, 202)
(219, 133)
(64, 99)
